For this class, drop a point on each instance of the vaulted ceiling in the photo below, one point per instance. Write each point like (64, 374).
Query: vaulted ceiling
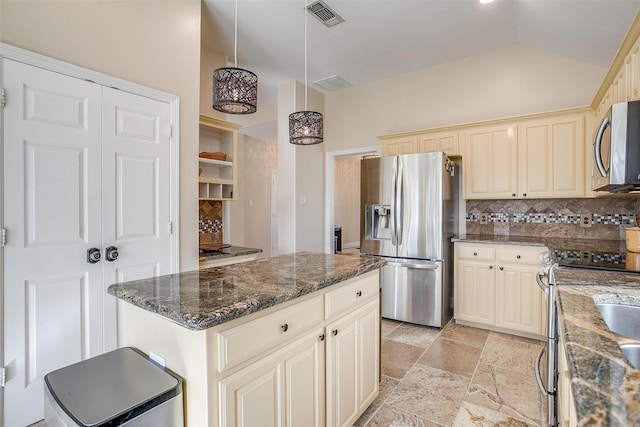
(382, 38)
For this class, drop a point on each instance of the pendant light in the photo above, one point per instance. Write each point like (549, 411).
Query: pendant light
(235, 90)
(305, 127)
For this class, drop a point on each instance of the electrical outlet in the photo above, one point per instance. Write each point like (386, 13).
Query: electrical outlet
(585, 220)
(484, 218)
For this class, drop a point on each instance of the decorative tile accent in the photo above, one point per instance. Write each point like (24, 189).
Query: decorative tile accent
(210, 217)
(554, 217)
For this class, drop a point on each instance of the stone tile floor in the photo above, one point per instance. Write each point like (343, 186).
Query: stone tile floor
(455, 376)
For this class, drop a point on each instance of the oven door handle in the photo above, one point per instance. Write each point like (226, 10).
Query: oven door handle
(542, 285)
(541, 352)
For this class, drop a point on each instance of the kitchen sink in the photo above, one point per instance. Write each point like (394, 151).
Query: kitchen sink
(621, 319)
(632, 351)
(624, 321)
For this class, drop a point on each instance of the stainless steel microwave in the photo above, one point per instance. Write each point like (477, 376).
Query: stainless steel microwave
(616, 150)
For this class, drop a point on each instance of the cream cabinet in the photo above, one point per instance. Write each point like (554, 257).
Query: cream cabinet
(218, 178)
(566, 409)
(399, 145)
(283, 389)
(551, 157)
(474, 288)
(490, 162)
(446, 142)
(495, 288)
(352, 364)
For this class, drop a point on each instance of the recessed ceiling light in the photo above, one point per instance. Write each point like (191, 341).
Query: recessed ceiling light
(485, 1)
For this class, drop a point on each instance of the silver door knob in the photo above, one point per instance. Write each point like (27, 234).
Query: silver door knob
(111, 253)
(93, 255)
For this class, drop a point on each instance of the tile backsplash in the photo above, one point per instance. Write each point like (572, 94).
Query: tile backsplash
(607, 217)
(210, 221)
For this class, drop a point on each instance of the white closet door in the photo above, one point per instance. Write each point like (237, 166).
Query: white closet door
(135, 191)
(52, 296)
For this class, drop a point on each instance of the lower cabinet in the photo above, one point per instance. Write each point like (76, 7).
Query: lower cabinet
(284, 389)
(495, 288)
(352, 364)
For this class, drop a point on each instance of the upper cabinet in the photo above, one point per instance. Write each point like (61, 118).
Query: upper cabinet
(551, 157)
(421, 142)
(217, 177)
(490, 162)
(399, 145)
(542, 158)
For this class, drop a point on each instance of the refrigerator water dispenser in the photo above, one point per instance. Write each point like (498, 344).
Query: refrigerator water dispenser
(377, 224)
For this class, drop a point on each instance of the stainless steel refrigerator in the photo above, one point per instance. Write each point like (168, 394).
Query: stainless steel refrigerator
(409, 207)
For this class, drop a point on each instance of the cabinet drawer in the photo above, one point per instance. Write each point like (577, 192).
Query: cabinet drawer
(519, 255)
(476, 252)
(352, 294)
(252, 338)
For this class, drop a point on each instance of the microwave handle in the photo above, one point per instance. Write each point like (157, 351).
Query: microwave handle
(597, 146)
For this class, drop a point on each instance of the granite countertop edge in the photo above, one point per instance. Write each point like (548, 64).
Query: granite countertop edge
(231, 251)
(239, 289)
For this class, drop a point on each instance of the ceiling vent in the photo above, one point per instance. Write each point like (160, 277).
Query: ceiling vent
(324, 13)
(332, 83)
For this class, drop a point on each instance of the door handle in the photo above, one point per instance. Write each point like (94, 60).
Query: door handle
(111, 253)
(537, 371)
(93, 255)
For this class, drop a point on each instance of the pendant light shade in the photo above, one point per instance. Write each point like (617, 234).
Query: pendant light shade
(305, 128)
(235, 91)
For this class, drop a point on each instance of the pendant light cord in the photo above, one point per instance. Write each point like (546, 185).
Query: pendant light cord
(235, 39)
(305, 54)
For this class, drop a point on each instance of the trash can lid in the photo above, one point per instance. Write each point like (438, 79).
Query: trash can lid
(122, 383)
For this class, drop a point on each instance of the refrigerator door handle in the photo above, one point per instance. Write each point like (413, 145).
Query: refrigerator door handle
(399, 202)
(421, 266)
(541, 386)
(394, 215)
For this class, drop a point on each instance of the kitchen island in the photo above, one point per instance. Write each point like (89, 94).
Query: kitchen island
(291, 340)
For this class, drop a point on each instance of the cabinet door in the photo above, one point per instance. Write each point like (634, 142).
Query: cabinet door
(304, 376)
(400, 145)
(352, 364)
(439, 141)
(475, 292)
(285, 388)
(491, 163)
(519, 300)
(551, 157)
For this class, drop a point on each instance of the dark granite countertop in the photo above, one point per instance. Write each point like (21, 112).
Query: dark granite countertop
(229, 252)
(551, 242)
(606, 387)
(204, 298)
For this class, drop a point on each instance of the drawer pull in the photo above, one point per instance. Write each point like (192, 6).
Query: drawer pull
(524, 194)
(359, 294)
(513, 194)
(321, 337)
(475, 254)
(518, 256)
(334, 332)
(491, 267)
(501, 268)
(284, 327)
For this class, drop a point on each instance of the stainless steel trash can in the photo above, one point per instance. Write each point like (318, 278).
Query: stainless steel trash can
(119, 388)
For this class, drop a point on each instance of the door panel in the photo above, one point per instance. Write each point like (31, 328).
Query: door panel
(52, 296)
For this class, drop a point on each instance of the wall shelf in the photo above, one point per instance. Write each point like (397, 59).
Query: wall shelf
(218, 179)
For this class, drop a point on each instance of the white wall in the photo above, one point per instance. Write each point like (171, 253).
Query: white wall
(346, 205)
(502, 83)
(152, 43)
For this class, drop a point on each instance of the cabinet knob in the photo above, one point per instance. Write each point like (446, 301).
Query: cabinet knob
(513, 194)
(491, 267)
(334, 332)
(501, 268)
(524, 194)
(475, 254)
(321, 337)
(518, 256)
(359, 293)
(284, 327)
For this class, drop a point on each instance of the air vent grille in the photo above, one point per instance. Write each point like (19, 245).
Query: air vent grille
(324, 13)
(332, 83)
